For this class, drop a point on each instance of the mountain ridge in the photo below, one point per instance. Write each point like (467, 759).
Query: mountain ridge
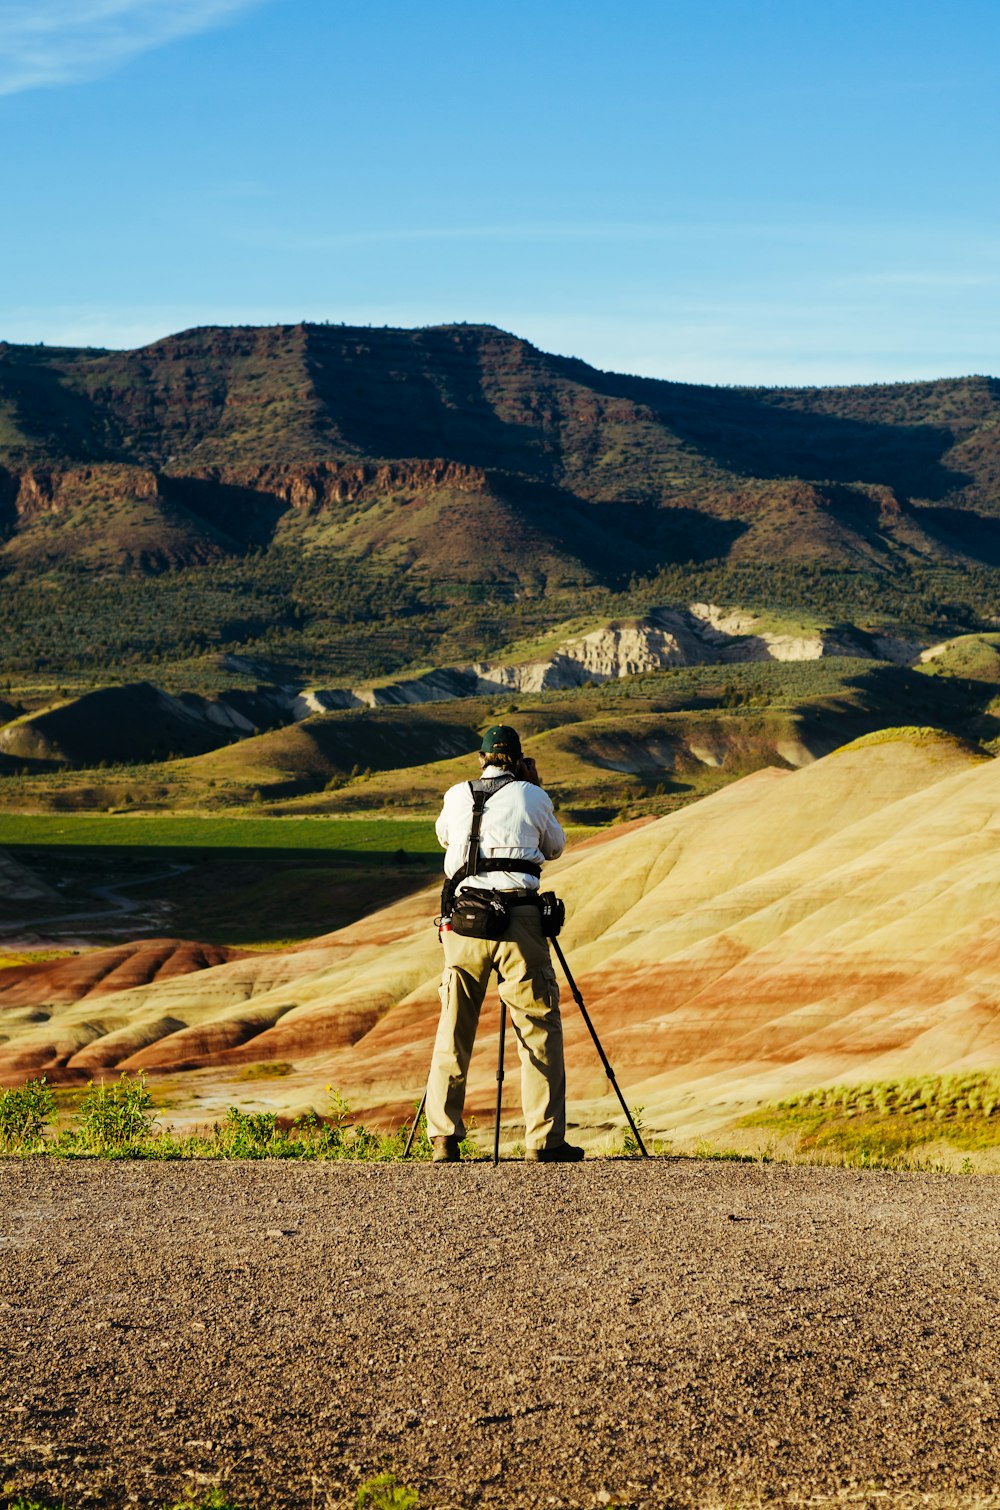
(460, 465)
(471, 394)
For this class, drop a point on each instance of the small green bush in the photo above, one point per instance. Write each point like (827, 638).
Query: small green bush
(115, 1119)
(274, 1069)
(629, 1142)
(250, 1135)
(212, 1499)
(25, 1114)
(385, 1493)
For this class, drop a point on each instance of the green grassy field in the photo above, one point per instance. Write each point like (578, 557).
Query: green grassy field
(100, 830)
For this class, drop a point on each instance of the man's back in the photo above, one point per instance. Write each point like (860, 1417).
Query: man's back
(518, 822)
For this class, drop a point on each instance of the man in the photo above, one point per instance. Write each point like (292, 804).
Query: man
(518, 824)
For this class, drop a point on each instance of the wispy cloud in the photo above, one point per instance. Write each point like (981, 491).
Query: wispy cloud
(533, 232)
(965, 256)
(47, 42)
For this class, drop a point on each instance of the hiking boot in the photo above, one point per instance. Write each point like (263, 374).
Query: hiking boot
(445, 1150)
(563, 1153)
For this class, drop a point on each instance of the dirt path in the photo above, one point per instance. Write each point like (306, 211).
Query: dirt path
(677, 1333)
(21, 885)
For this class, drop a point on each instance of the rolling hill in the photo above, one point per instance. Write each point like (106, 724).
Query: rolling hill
(632, 742)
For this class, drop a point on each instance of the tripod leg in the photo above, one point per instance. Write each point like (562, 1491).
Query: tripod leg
(496, 1128)
(416, 1124)
(597, 1044)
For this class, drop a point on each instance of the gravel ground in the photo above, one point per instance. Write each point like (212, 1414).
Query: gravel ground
(674, 1333)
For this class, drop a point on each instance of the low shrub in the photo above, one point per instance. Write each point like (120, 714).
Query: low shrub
(212, 1499)
(119, 1120)
(386, 1493)
(274, 1069)
(25, 1116)
(630, 1144)
(114, 1120)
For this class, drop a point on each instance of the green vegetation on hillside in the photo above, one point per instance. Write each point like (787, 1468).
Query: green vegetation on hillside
(636, 746)
(323, 620)
(975, 657)
(883, 1120)
(920, 735)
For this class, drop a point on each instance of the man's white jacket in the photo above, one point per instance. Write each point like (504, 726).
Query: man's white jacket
(518, 823)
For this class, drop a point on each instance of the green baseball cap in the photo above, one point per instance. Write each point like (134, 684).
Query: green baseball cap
(501, 740)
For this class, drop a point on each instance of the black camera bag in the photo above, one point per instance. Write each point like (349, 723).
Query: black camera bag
(553, 914)
(479, 915)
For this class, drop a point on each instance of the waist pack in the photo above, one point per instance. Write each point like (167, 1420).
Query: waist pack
(479, 915)
(486, 914)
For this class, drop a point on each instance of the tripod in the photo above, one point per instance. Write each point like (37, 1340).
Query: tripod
(575, 990)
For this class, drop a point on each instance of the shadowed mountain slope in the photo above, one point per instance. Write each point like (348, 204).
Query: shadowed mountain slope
(833, 922)
(465, 449)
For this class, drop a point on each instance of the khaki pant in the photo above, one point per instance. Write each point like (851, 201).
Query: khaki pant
(528, 987)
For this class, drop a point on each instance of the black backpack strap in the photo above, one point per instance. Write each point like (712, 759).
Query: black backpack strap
(479, 800)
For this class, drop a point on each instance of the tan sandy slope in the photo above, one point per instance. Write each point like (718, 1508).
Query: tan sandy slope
(840, 921)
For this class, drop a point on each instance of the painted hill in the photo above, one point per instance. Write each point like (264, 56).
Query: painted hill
(835, 922)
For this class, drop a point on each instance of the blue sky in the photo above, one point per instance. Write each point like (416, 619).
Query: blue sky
(753, 191)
